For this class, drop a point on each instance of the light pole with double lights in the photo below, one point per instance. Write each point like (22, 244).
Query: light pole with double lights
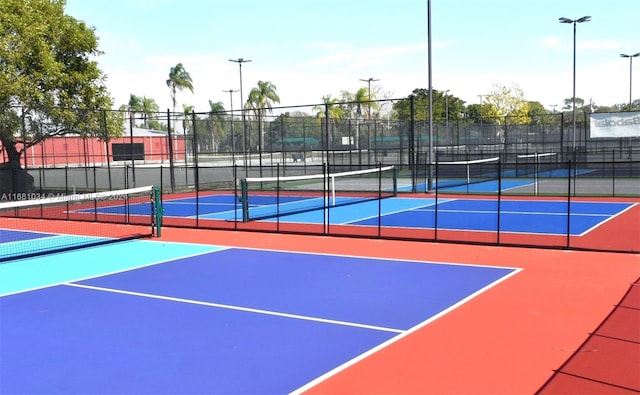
(635, 55)
(574, 22)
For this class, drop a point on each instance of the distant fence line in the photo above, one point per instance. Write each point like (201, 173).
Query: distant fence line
(255, 142)
(236, 136)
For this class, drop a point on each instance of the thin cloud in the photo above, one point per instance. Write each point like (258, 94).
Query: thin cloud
(367, 56)
(328, 45)
(598, 45)
(582, 45)
(551, 42)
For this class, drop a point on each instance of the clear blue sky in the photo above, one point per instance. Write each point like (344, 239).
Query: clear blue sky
(310, 49)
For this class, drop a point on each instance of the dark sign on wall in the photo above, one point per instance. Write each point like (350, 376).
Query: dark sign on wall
(134, 151)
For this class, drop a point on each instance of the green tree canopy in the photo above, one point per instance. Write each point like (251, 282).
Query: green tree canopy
(50, 84)
(262, 97)
(507, 104)
(444, 106)
(216, 120)
(568, 103)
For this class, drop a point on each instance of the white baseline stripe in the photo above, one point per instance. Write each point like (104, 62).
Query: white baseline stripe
(239, 308)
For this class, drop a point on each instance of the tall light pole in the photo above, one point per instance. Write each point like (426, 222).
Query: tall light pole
(369, 81)
(481, 127)
(240, 61)
(233, 137)
(446, 109)
(635, 55)
(574, 22)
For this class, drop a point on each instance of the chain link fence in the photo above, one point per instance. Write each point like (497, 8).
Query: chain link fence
(198, 152)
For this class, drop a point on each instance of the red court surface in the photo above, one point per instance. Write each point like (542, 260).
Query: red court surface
(512, 339)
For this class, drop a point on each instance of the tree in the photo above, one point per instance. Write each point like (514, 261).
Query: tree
(361, 98)
(179, 79)
(134, 106)
(568, 103)
(215, 122)
(335, 113)
(187, 110)
(149, 108)
(49, 83)
(442, 105)
(507, 105)
(262, 97)
(538, 114)
(135, 103)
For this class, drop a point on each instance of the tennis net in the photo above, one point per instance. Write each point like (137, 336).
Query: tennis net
(33, 224)
(462, 173)
(269, 197)
(538, 164)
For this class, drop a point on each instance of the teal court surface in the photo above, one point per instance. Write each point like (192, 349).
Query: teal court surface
(155, 317)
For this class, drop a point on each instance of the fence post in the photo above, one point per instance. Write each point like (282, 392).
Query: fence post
(569, 167)
(106, 143)
(133, 163)
(172, 175)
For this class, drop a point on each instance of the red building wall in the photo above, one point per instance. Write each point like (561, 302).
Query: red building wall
(76, 151)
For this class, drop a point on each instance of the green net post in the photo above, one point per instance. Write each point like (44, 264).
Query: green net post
(244, 200)
(158, 211)
(395, 181)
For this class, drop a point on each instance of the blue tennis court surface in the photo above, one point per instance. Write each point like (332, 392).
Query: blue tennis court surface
(517, 216)
(452, 186)
(178, 318)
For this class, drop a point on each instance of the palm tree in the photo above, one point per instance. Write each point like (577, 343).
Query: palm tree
(178, 80)
(262, 97)
(149, 106)
(135, 103)
(335, 113)
(361, 98)
(215, 121)
(134, 106)
(186, 112)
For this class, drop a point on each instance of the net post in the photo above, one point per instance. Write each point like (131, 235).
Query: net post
(244, 200)
(395, 181)
(158, 211)
(333, 189)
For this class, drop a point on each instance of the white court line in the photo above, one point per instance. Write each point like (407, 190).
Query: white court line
(421, 207)
(607, 220)
(542, 213)
(128, 269)
(198, 203)
(239, 308)
(395, 339)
